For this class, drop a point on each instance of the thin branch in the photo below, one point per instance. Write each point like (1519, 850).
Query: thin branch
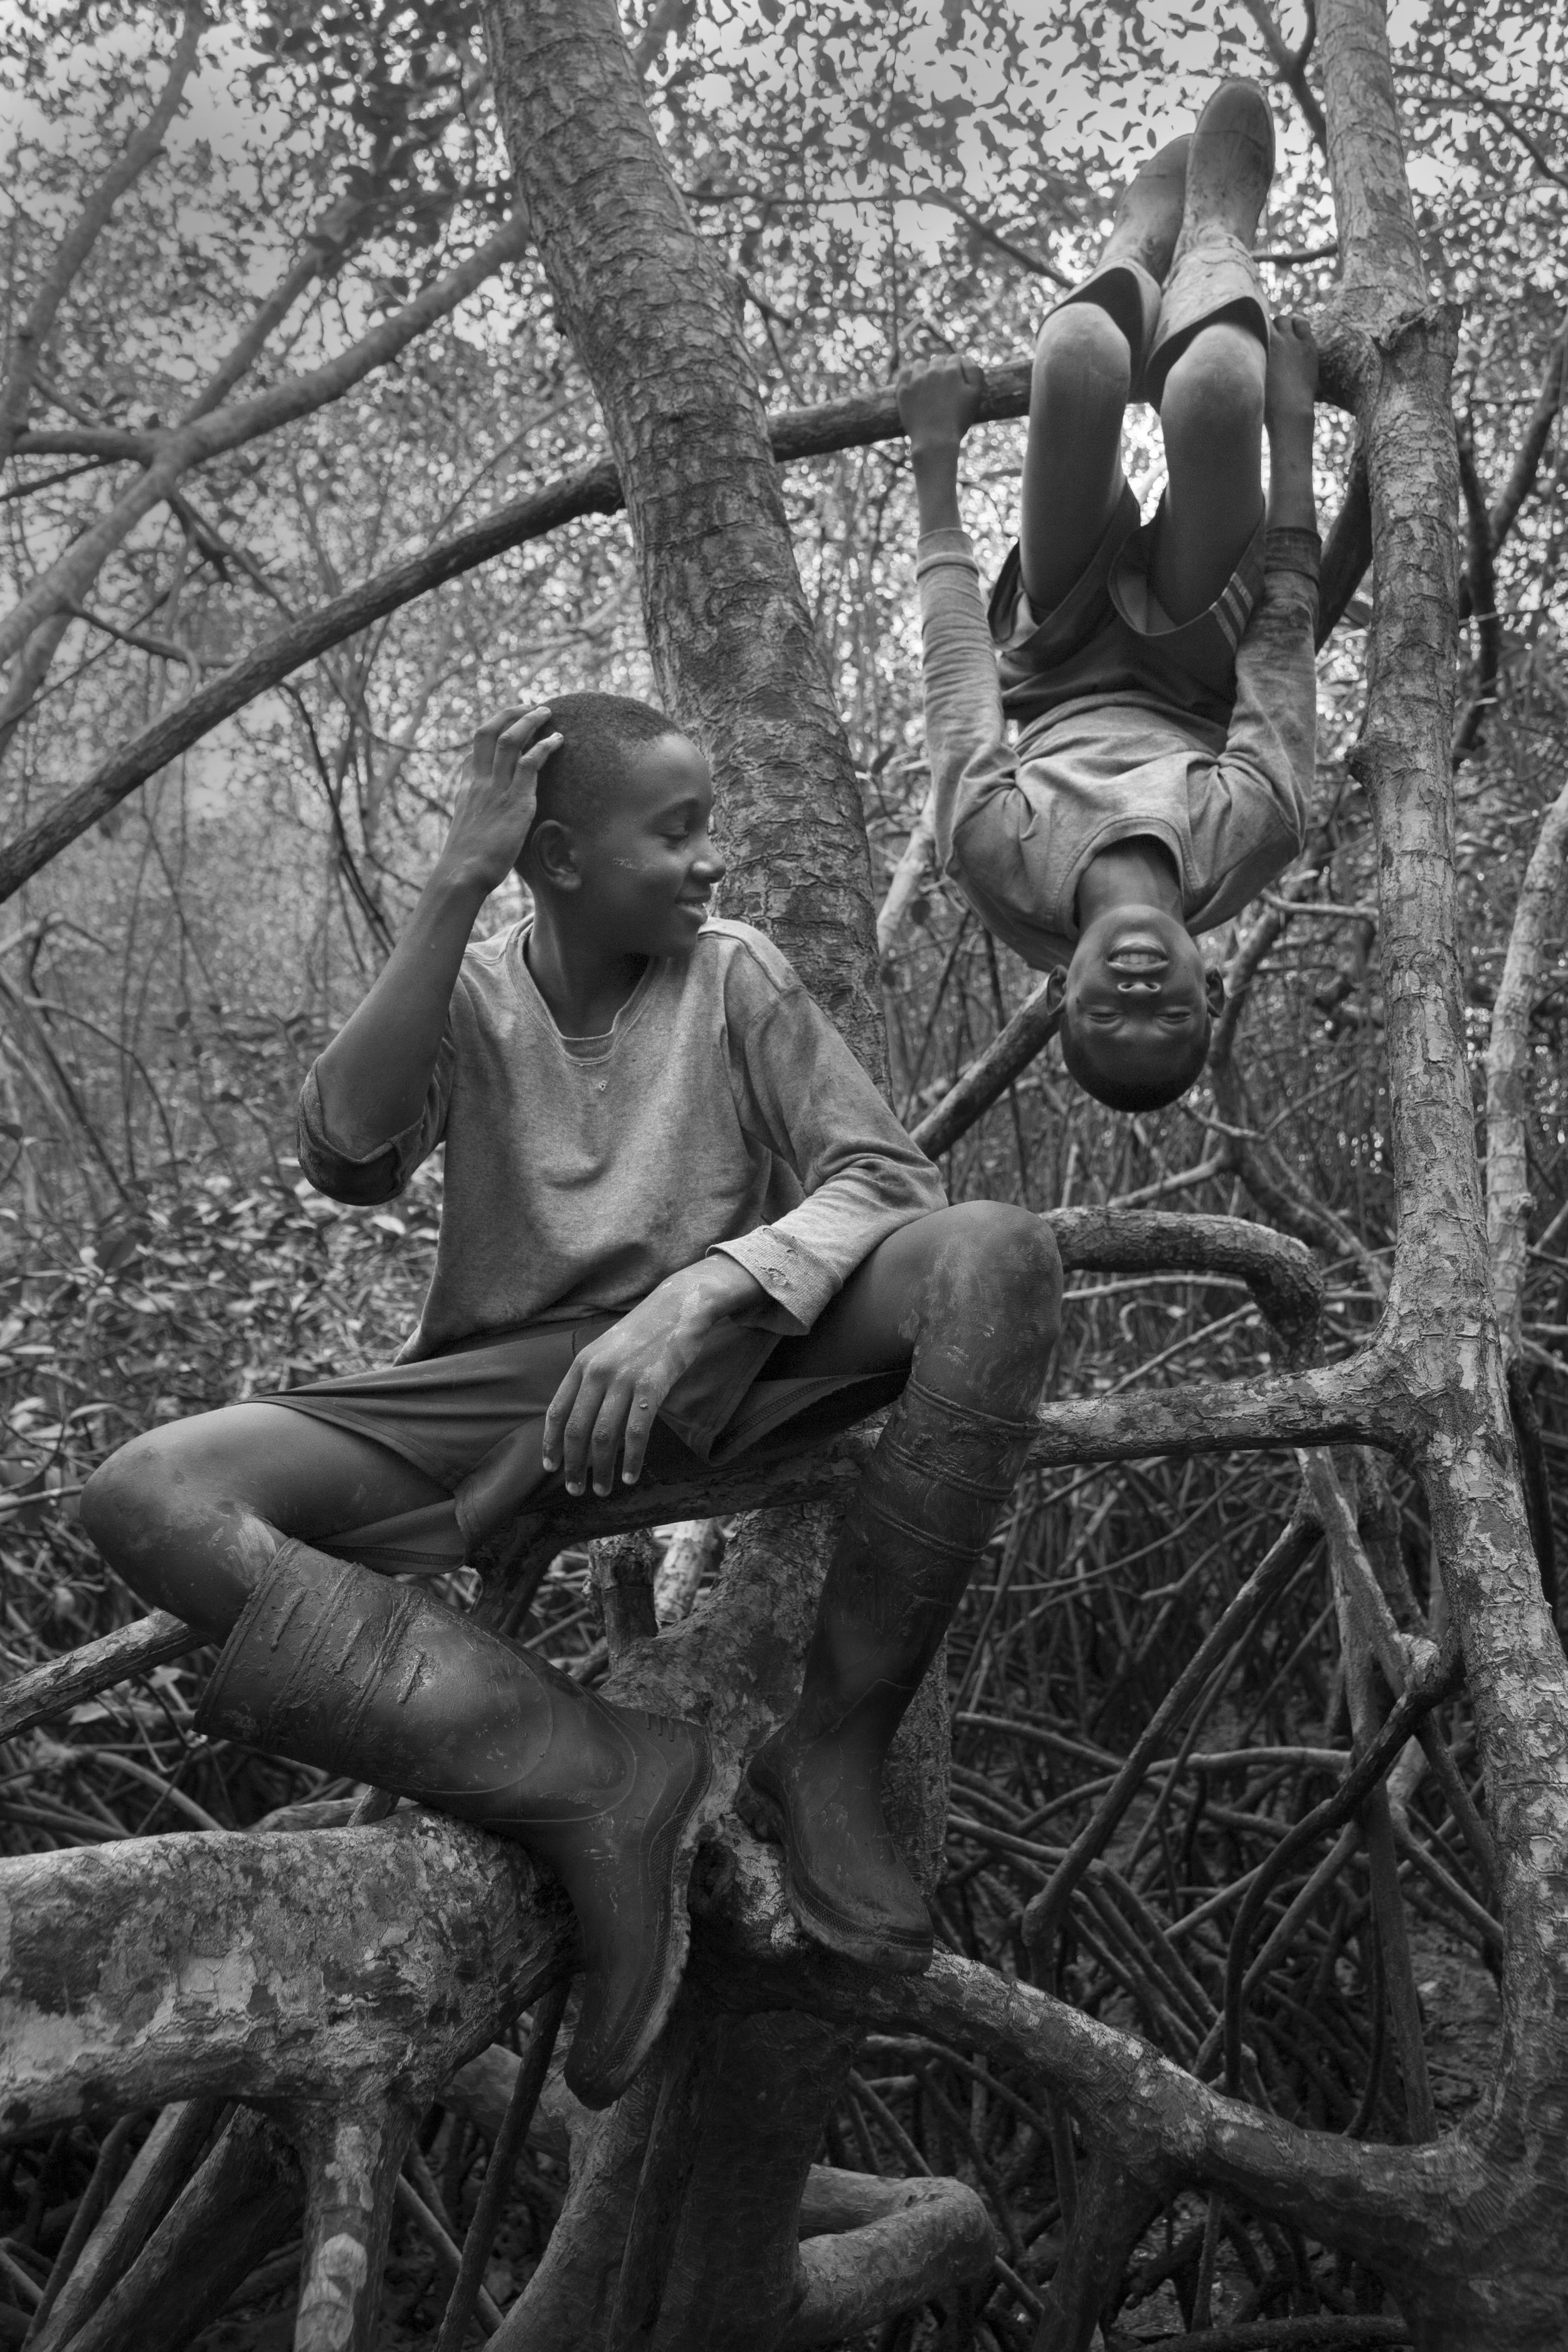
(144, 640)
(907, 875)
(1347, 551)
(665, 17)
(326, 242)
(1422, 1692)
(524, 2099)
(1535, 923)
(1526, 465)
(74, 248)
(1483, 606)
(1290, 65)
(1272, 1182)
(1500, 113)
(1035, 263)
(182, 447)
(1043, 1912)
(1013, 1048)
(103, 442)
(1522, 473)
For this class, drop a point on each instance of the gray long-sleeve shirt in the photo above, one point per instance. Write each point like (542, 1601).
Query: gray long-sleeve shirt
(1015, 827)
(723, 1110)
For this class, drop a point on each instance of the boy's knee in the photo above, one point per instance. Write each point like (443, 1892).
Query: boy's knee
(124, 1505)
(1082, 350)
(1007, 1264)
(1215, 386)
(150, 1500)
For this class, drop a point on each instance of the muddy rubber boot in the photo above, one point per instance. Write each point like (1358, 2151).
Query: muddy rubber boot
(926, 1507)
(1127, 279)
(337, 1668)
(1213, 275)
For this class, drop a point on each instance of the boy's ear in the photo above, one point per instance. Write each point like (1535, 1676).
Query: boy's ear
(1055, 989)
(1213, 990)
(553, 853)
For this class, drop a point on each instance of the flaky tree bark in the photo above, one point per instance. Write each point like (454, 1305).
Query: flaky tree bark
(1536, 919)
(653, 316)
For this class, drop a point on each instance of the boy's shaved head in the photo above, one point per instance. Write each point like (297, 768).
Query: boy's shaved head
(599, 734)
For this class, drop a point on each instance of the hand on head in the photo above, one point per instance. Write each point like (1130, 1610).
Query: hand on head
(491, 821)
(1137, 1006)
(939, 399)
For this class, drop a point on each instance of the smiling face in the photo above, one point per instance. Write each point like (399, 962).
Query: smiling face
(641, 867)
(1136, 1007)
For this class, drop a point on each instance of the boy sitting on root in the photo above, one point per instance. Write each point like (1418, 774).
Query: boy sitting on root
(676, 1214)
(1161, 675)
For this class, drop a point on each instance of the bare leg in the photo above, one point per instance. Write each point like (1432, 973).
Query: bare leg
(1072, 460)
(915, 1299)
(1085, 364)
(190, 1515)
(1212, 418)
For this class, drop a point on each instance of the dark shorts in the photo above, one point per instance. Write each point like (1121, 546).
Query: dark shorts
(473, 1420)
(1097, 644)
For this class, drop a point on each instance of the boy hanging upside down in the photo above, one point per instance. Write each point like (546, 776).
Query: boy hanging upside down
(1160, 675)
(677, 1215)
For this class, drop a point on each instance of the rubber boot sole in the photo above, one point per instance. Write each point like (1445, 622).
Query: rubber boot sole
(598, 2077)
(766, 1817)
(1230, 163)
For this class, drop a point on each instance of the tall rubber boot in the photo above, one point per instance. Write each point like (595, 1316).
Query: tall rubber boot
(931, 1496)
(337, 1668)
(1213, 275)
(1127, 279)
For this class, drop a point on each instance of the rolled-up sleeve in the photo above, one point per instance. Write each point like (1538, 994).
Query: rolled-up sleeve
(1273, 733)
(379, 1175)
(801, 1092)
(991, 838)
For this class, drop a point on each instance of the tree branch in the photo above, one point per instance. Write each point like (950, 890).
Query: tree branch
(593, 489)
(1537, 432)
(175, 450)
(1280, 1274)
(1159, 2122)
(1443, 1336)
(1347, 551)
(1535, 920)
(1043, 1912)
(1013, 1048)
(74, 247)
(1482, 586)
(1290, 65)
(479, 1932)
(796, 434)
(326, 242)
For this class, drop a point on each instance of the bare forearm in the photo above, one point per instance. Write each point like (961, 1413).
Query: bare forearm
(374, 1073)
(936, 486)
(1291, 503)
